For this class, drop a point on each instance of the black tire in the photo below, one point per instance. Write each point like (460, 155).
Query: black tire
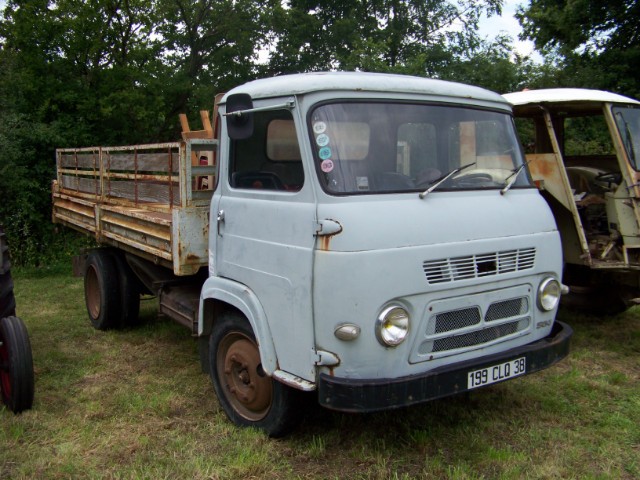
(7, 299)
(130, 288)
(16, 365)
(592, 301)
(593, 294)
(249, 397)
(102, 290)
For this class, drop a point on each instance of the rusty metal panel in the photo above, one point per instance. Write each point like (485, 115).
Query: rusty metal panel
(546, 168)
(190, 239)
(76, 213)
(548, 171)
(136, 232)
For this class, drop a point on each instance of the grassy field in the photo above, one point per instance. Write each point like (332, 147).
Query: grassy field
(134, 404)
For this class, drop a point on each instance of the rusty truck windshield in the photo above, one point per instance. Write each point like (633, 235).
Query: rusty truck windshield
(628, 123)
(396, 148)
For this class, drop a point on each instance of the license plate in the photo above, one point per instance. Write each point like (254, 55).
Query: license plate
(496, 373)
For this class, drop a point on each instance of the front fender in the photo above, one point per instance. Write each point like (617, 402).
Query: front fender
(242, 298)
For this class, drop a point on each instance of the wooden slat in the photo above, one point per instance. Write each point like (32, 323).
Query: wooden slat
(143, 191)
(81, 184)
(81, 160)
(146, 162)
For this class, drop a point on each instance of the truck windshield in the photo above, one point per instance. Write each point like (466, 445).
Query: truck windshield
(397, 147)
(628, 123)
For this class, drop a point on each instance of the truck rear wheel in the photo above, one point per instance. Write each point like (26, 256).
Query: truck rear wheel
(129, 292)
(16, 365)
(102, 290)
(247, 394)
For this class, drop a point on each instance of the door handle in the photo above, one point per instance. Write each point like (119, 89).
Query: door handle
(219, 220)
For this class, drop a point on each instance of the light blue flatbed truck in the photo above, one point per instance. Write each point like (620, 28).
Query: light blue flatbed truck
(375, 239)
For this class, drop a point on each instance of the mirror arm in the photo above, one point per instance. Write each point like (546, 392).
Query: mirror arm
(289, 105)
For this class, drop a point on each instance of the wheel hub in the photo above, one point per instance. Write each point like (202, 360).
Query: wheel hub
(250, 390)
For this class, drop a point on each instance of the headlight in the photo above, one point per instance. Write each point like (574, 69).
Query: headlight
(549, 293)
(392, 326)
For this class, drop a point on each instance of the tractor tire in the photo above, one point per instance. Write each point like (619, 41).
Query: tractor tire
(16, 365)
(7, 299)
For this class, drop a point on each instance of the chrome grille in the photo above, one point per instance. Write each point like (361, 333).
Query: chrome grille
(480, 336)
(477, 266)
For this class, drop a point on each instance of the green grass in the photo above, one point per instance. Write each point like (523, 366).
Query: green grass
(134, 404)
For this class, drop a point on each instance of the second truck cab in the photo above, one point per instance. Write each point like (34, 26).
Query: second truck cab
(582, 146)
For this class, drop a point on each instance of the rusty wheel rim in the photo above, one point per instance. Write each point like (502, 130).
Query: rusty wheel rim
(246, 386)
(92, 292)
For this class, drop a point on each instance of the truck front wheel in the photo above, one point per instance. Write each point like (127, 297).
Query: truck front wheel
(247, 394)
(16, 365)
(102, 290)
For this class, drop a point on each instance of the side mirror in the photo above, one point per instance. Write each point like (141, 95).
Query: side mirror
(239, 125)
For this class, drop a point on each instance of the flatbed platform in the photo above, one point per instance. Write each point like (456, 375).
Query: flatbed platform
(149, 200)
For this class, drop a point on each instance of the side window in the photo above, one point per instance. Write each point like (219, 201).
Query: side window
(270, 159)
(588, 135)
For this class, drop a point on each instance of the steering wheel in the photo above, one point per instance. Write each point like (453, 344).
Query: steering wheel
(609, 177)
(473, 179)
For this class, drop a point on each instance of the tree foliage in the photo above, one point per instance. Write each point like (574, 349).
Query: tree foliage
(595, 43)
(106, 72)
(404, 36)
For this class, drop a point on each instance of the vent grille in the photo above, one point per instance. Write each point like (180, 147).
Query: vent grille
(512, 313)
(506, 309)
(447, 321)
(479, 337)
(478, 266)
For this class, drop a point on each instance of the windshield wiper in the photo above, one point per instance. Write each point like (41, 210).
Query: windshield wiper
(443, 179)
(513, 177)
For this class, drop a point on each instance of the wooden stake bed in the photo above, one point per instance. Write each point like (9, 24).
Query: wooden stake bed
(146, 199)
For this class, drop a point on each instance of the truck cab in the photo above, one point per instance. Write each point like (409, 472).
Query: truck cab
(581, 148)
(376, 239)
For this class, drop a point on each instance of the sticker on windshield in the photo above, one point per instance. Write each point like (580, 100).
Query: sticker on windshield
(322, 140)
(319, 127)
(324, 153)
(326, 166)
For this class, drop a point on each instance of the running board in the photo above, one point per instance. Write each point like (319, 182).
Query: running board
(181, 303)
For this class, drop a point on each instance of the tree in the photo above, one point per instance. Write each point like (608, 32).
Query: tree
(209, 46)
(105, 72)
(71, 74)
(408, 36)
(495, 66)
(596, 43)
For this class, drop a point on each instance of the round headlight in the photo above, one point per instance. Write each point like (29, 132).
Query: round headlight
(549, 293)
(392, 326)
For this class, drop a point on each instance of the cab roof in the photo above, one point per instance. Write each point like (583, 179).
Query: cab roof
(565, 95)
(361, 82)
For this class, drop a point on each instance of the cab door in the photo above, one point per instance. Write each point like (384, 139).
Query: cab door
(265, 217)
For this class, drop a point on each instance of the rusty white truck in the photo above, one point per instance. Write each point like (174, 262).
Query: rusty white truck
(374, 239)
(582, 148)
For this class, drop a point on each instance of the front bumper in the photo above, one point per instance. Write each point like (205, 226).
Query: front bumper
(363, 395)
